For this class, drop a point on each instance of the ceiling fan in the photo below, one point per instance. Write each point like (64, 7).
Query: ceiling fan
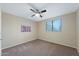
(37, 12)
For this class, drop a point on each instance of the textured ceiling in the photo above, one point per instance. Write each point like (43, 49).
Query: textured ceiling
(53, 9)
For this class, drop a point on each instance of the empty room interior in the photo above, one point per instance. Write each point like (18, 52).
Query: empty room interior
(39, 29)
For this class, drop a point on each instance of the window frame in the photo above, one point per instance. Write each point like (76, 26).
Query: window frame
(60, 28)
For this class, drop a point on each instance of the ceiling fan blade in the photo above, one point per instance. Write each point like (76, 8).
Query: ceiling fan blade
(41, 16)
(32, 10)
(37, 10)
(43, 11)
(33, 15)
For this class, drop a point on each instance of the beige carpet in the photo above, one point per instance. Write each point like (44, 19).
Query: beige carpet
(39, 48)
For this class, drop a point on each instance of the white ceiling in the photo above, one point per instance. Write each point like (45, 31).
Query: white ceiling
(53, 9)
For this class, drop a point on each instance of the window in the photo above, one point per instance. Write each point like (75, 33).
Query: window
(54, 25)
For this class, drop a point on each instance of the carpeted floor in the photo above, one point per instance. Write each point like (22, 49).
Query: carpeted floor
(39, 48)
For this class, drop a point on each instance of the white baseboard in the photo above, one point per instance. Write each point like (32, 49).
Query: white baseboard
(78, 50)
(59, 43)
(0, 52)
(16, 44)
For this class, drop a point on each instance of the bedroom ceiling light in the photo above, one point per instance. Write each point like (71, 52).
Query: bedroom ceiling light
(37, 15)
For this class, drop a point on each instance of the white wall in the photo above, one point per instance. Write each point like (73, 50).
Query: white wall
(0, 23)
(66, 37)
(78, 30)
(0, 31)
(11, 33)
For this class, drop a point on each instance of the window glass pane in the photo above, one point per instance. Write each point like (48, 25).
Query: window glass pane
(57, 24)
(49, 26)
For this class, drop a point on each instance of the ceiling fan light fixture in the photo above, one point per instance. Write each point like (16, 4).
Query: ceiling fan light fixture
(37, 15)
